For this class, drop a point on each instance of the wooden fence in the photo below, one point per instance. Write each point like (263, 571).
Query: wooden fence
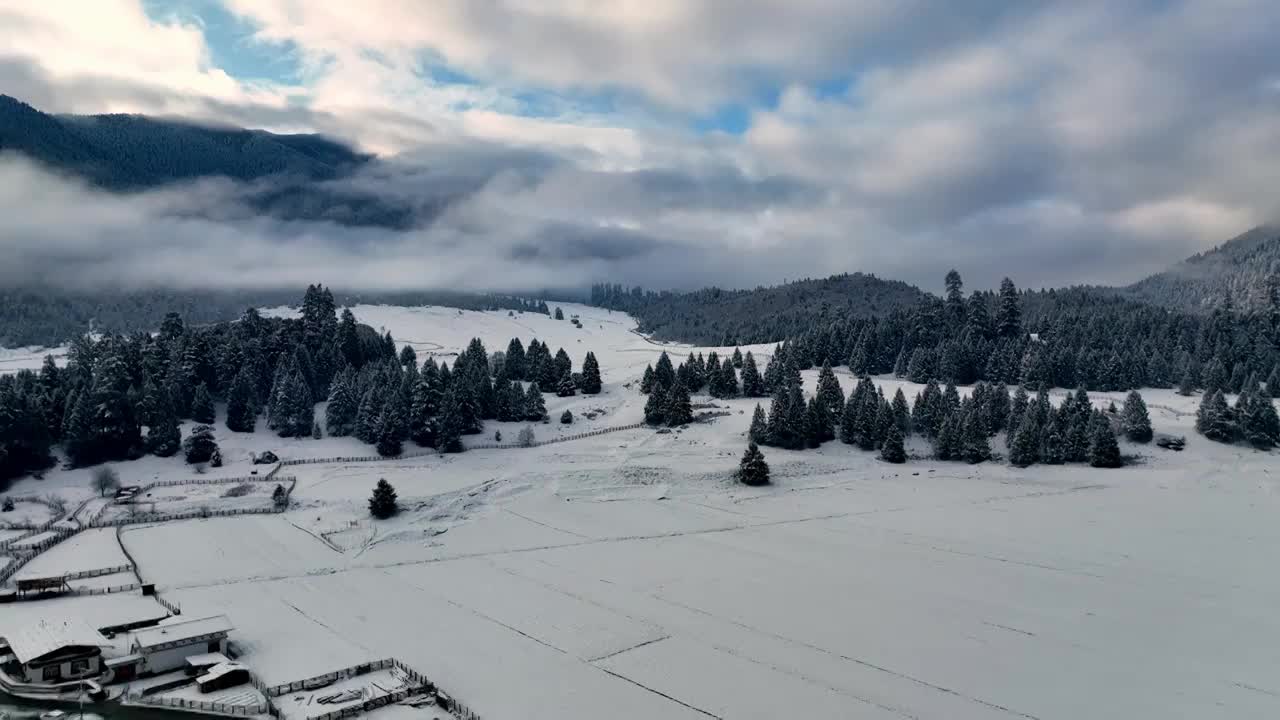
(207, 706)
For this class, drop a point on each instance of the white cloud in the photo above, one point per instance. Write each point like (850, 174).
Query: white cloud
(999, 137)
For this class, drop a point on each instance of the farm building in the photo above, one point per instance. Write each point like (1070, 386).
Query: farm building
(167, 646)
(52, 651)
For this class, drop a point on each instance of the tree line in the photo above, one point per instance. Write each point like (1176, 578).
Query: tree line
(273, 370)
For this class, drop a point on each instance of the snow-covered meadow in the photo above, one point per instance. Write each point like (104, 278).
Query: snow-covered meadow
(627, 576)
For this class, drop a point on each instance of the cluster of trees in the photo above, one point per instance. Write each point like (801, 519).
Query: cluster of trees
(115, 386)
(958, 428)
(1079, 337)
(669, 387)
(390, 402)
(1071, 339)
(1252, 419)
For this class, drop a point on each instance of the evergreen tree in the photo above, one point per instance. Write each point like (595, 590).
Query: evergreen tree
(1052, 451)
(736, 359)
(392, 430)
(1187, 385)
(679, 409)
(779, 434)
(1137, 424)
(1215, 419)
(1022, 450)
(663, 373)
(1008, 311)
(450, 425)
(817, 423)
(566, 387)
(340, 415)
(752, 383)
(591, 383)
(759, 431)
(199, 446)
(369, 415)
(1273, 383)
(535, 408)
(242, 413)
(892, 450)
(164, 439)
(947, 445)
(1104, 451)
(753, 470)
(797, 419)
(646, 383)
(515, 360)
(1017, 411)
(383, 503)
(901, 413)
(1258, 422)
(202, 410)
(655, 408)
(977, 448)
(829, 391)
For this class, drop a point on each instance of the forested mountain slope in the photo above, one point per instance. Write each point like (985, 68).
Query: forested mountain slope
(730, 317)
(126, 152)
(1242, 270)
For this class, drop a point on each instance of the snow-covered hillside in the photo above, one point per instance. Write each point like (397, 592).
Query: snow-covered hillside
(627, 576)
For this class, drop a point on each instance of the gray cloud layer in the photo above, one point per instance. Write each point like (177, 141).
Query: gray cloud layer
(1055, 142)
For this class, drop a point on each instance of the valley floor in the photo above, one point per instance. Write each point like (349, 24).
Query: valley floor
(626, 576)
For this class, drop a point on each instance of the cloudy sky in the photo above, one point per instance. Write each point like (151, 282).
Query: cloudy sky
(679, 142)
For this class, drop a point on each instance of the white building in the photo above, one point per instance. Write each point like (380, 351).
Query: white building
(51, 651)
(167, 646)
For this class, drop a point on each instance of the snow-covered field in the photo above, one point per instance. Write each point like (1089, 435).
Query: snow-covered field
(29, 358)
(626, 575)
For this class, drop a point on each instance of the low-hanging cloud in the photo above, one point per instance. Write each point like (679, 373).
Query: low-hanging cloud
(1054, 142)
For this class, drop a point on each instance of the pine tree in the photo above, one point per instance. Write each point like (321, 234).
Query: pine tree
(797, 419)
(1104, 451)
(1258, 422)
(242, 413)
(1023, 451)
(164, 439)
(1017, 411)
(977, 448)
(1215, 419)
(591, 383)
(342, 411)
(655, 408)
(664, 373)
(383, 503)
(892, 450)
(646, 382)
(535, 408)
(829, 391)
(1008, 311)
(1187, 385)
(566, 418)
(566, 387)
(679, 410)
(946, 443)
(199, 446)
(779, 435)
(391, 431)
(736, 359)
(1273, 383)
(752, 383)
(901, 413)
(753, 470)
(817, 423)
(1052, 451)
(1137, 423)
(759, 430)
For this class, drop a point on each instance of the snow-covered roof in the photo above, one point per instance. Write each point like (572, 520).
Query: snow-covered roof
(179, 631)
(40, 638)
(207, 659)
(218, 671)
